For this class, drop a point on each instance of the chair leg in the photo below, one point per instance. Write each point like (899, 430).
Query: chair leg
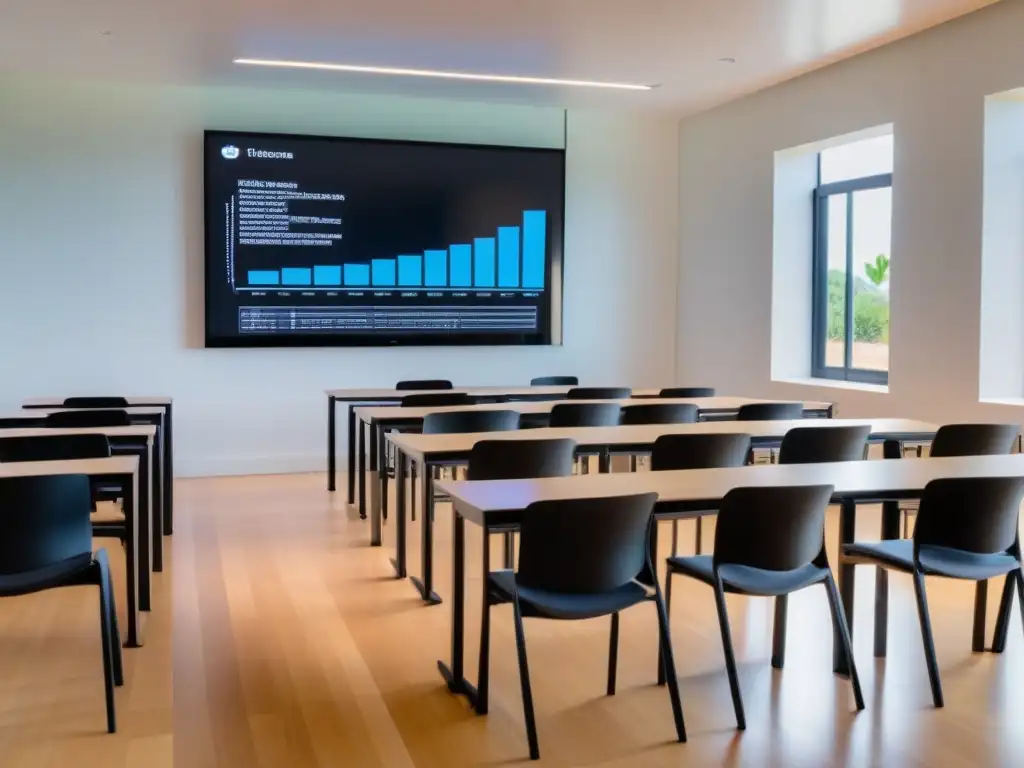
(524, 681)
(613, 653)
(779, 631)
(107, 642)
(730, 658)
(669, 666)
(835, 604)
(927, 638)
(699, 536)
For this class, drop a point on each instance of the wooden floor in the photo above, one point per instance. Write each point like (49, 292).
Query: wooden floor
(291, 646)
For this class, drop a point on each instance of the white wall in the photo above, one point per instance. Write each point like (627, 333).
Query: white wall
(101, 259)
(932, 87)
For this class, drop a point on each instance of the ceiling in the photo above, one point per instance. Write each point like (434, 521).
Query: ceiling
(678, 45)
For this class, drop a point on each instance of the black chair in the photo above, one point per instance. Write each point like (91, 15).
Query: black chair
(554, 381)
(445, 398)
(98, 417)
(580, 559)
(65, 448)
(816, 445)
(446, 422)
(768, 542)
(966, 529)
(585, 415)
(770, 412)
(95, 402)
(660, 413)
(424, 384)
(516, 459)
(47, 543)
(687, 392)
(964, 440)
(697, 452)
(599, 393)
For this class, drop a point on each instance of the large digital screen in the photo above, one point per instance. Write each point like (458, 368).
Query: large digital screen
(322, 241)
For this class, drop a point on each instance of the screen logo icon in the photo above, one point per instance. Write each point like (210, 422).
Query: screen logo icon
(230, 152)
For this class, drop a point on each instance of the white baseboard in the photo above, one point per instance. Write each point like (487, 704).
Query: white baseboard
(281, 464)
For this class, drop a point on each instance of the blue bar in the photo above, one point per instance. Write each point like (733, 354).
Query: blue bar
(296, 276)
(535, 231)
(508, 257)
(326, 275)
(461, 266)
(269, 277)
(483, 263)
(383, 271)
(410, 271)
(436, 273)
(357, 274)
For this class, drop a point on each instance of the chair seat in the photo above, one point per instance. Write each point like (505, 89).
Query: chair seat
(743, 579)
(898, 554)
(73, 571)
(564, 605)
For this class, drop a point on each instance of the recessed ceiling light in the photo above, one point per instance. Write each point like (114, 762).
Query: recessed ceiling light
(402, 72)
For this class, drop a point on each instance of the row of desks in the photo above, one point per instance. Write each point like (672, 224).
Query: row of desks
(372, 423)
(142, 463)
(690, 494)
(430, 451)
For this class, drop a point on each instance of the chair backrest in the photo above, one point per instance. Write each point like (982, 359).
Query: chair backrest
(814, 445)
(95, 402)
(975, 514)
(443, 398)
(54, 447)
(585, 415)
(699, 451)
(776, 529)
(446, 422)
(585, 546)
(973, 439)
(424, 384)
(598, 393)
(88, 418)
(554, 381)
(516, 459)
(687, 392)
(770, 412)
(43, 521)
(660, 413)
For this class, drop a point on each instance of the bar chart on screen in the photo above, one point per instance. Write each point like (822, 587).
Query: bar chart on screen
(512, 259)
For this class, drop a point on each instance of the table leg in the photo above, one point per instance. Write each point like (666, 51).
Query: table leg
(398, 561)
(426, 586)
(371, 437)
(144, 552)
(157, 514)
(361, 456)
(454, 674)
(131, 549)
(891, 449)
(351, 458)
(604, 461)
(847, 528)
(382, 470)
(330, 444)
(168, 458)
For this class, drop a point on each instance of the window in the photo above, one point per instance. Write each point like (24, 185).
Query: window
(852, 239)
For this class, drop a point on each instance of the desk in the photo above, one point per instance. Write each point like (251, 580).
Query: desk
(691, 493)
(441, 450)
(135, 440)
(379, 419)
(166, 405)
(124, 470)
(356, 397)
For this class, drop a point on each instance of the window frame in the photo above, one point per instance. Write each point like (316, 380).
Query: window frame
(819, 298)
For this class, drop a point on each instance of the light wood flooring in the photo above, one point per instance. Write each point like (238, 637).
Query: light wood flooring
(292, 646)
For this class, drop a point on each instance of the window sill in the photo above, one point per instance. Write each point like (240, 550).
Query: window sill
(881, 389)
(1017, 401)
